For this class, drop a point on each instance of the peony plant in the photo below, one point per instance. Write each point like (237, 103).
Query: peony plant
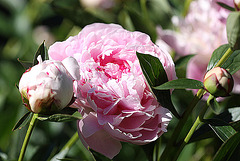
(121, 87)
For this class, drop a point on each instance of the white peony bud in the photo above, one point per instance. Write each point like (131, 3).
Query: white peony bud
(48, 86)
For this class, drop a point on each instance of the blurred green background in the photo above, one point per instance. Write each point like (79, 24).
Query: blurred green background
(25, 24)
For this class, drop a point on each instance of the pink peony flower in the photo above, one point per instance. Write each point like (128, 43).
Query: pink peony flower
(48, 86)
(103, 4)
(201, 32)
(113, 97)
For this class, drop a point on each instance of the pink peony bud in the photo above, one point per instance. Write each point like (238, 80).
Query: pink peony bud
(48, 86)
(218, 81)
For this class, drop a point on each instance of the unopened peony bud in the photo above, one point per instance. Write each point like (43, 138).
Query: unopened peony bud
(218, 82)
(237, 4)
(48, 86)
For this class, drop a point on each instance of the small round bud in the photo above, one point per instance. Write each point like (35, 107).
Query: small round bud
(218, 82)
(48, 86)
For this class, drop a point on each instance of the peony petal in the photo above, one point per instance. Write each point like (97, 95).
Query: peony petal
(72, 67)
(102, 142)
(89, 125)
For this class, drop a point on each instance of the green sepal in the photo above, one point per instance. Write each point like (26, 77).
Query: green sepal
(41, 51)
(23, 121)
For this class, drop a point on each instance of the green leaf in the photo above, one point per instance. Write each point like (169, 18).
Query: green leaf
(216, 56)
(80, 16)
(227, 148)
(41, 51)
(182, 83)
(233, 30)
(222, 129)
(235, 113)
(233, 62)
(205, 131)
(235, 125)
(141, 23)
(23, 121)
(125, 20)
(181, 65)
(60, 117)
(179, 99)
(155, 75)
(226, 6)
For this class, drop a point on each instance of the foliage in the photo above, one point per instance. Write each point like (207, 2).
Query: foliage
(23, 25)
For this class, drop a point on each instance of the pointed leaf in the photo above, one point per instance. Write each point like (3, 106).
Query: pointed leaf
(205, 131)
(41, 51)
(60, 117)
(235, 125)
(155, 75)
(23, 121)
(181, 65)
(222, 129)
(65, 8)
(216, 56)
(142, 23)
(235, 113)
(226, 6)
(233, 30)
(227, 148)
(182, 83)
(233, 62)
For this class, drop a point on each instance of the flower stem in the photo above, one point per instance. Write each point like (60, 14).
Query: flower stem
(224, 57)
(193, 128)
(27, 137)
(144, 8)
(180, 124)
(66, 148)
(169, 148)
(69, 144)
(199, 119)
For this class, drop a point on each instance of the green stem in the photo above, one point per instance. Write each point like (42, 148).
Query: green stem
(224, 57)
(193, 128)
(180, 124)
(144, 8)
(66, 148)
(27, 137)
(72, 141)
(198, 120)
(168, 149)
